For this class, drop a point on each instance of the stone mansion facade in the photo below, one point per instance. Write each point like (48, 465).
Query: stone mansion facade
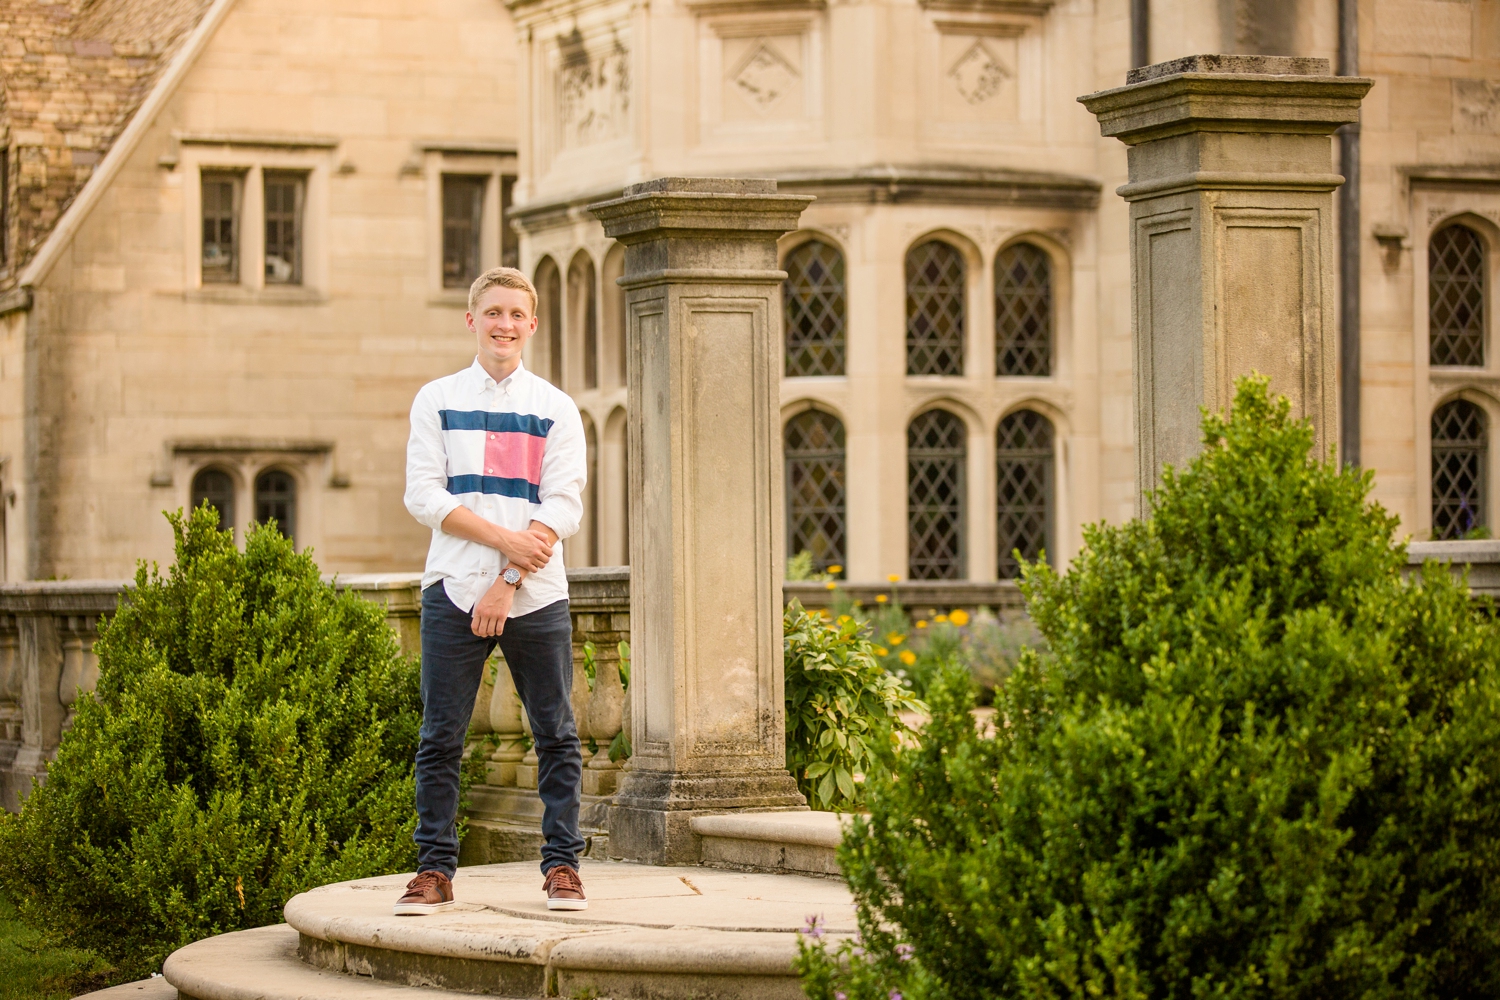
(236, 235)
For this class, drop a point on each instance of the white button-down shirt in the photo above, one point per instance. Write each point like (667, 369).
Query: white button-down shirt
(513, 452)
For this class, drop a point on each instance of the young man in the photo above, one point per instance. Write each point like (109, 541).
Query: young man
(495, 467)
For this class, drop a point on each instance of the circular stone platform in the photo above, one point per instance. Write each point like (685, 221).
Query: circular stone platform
(648, 932)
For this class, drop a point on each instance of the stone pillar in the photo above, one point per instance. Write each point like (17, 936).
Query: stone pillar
(1232, 238)
(703, 322)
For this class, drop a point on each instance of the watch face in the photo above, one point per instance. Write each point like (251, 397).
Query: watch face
(511, 576)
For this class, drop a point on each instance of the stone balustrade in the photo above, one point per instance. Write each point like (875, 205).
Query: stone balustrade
(47, 632)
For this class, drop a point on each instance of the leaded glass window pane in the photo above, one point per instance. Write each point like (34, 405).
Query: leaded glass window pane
(1023, 497)
(935, 456)
(276, 500)
(935, 279)
(221, 228)
(1455, 297)
(1460, 456)
(1023, 311)
(815, 488)
(812, 301)
(217, 487)
(284, 194)
(463, 211)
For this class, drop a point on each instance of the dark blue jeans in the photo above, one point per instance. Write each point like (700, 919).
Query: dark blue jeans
(539, 650)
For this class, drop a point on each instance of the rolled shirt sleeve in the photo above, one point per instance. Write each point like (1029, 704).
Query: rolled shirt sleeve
(427, 496)
(564, 473)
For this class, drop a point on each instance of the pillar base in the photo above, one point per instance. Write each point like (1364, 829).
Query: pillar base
(651, 819)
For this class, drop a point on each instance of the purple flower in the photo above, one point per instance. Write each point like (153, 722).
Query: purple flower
(905, 952)
(840, 995)
(814, 926)
(895, 995)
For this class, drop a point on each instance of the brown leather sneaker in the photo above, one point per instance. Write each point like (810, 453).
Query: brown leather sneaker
(564, 890)
(429, 892)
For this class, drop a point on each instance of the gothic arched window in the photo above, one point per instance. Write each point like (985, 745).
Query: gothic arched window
(935, 458)
(276, 500)
(1460, 457)
(1023, 494)
(935, 280)
(1023, 311)
(813, 303)
(815, 488)
(549, 332)
(584, 316)
(217, 487)
(1455, 297)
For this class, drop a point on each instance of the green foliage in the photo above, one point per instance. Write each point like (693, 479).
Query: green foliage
(919, 649)
(841, 706)
(801, 567)
(1256, 762)
(31, 970)
(252, 736)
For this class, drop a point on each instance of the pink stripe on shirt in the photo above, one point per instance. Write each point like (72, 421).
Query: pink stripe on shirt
(514, 455)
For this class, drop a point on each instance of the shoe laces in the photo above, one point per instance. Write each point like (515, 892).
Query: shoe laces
(563, 877)
(431, 877)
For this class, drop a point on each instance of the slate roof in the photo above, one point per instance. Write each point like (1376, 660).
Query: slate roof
(71, 76)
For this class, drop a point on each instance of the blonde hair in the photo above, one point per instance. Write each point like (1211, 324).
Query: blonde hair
(501, 277)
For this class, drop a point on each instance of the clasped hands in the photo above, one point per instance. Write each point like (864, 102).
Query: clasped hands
(528, 551)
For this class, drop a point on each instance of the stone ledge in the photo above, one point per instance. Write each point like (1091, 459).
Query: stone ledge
(792, 842)
(155, 988)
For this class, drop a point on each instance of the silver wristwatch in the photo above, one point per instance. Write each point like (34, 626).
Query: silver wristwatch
(511, 576)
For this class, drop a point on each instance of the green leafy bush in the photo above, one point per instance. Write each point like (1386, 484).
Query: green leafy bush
(252, 736)
(841, 706)
(1256, 762)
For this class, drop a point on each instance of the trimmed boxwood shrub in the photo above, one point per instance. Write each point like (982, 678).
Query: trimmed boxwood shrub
(252, 735)
(1255, 762)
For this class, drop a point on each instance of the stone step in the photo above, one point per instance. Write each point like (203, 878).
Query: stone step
(792, 841)
(662, 933)
(262, 964)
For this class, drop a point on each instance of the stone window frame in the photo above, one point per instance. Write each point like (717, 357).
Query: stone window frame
(790, 413)
(496, 163)
(1053, 244)
(310, 464)
(976, 314)
(789, 245)
(1489, 408)
(251, 157)
(1438, 200)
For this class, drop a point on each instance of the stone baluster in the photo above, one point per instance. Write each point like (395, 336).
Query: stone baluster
(526, 770)
(71, 679)
(10, 681)
(505, 723)
(90, 634)
(605, 717)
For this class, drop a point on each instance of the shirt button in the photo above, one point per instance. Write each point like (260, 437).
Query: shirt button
(493, 436)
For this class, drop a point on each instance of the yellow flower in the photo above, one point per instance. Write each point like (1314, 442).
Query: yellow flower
(835, 570)
(921, 624)
(894, 577)
(831, 585)
(940, 618)
(881, 598)
(908, 657)
(882, 651)
(960, 617)
(843, 618)
(895, 638)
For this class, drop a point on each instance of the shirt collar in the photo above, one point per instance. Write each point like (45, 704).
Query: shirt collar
(483, 381)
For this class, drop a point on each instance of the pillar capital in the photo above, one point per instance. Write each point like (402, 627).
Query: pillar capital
(702, 330)
(1231, 250)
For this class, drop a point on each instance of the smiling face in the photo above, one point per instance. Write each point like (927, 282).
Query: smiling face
(502, 322)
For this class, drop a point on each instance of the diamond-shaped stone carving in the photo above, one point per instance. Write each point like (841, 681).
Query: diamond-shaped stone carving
(978, 74)
(764, 76)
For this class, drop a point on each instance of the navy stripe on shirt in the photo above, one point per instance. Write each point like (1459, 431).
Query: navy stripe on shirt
(486, 420)
(495, 485)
